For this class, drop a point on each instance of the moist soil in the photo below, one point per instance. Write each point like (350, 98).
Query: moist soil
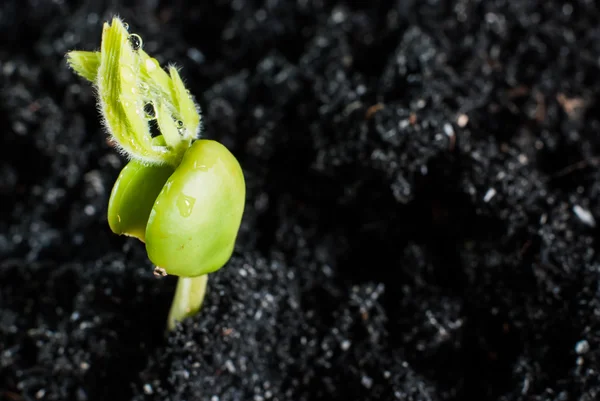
(422, 188)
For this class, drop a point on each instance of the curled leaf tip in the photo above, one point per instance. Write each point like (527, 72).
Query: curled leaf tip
(84, 63)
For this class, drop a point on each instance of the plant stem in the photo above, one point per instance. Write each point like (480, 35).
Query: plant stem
(188, 298)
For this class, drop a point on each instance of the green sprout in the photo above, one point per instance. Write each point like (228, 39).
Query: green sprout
(180, 195)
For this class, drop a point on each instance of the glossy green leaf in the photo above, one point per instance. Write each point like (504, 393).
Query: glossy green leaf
(133, 196)
(196, 217)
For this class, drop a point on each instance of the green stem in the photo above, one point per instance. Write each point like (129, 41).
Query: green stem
(188, 298)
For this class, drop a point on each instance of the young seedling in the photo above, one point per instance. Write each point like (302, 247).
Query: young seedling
(180, 195)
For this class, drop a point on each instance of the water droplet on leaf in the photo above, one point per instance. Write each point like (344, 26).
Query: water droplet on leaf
(200, 166)
(127, 74)
(151, 64)
(180, 128)
(150, 112)
(135, 41)
(144, 87)
(185, 204)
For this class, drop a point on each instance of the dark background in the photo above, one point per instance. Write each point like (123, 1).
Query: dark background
(418, 172)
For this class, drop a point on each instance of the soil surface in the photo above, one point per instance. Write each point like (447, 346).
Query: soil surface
(421, 214)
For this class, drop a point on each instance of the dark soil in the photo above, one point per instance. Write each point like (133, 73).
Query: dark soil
(422, 186)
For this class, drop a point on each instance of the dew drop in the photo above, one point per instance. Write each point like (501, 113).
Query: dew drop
(144, 87)
(149, 111)
(126, 26)
(135, 41)
(127, 74)
(185, 205)
(151, 64)
(180, 128)
(200, 166)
